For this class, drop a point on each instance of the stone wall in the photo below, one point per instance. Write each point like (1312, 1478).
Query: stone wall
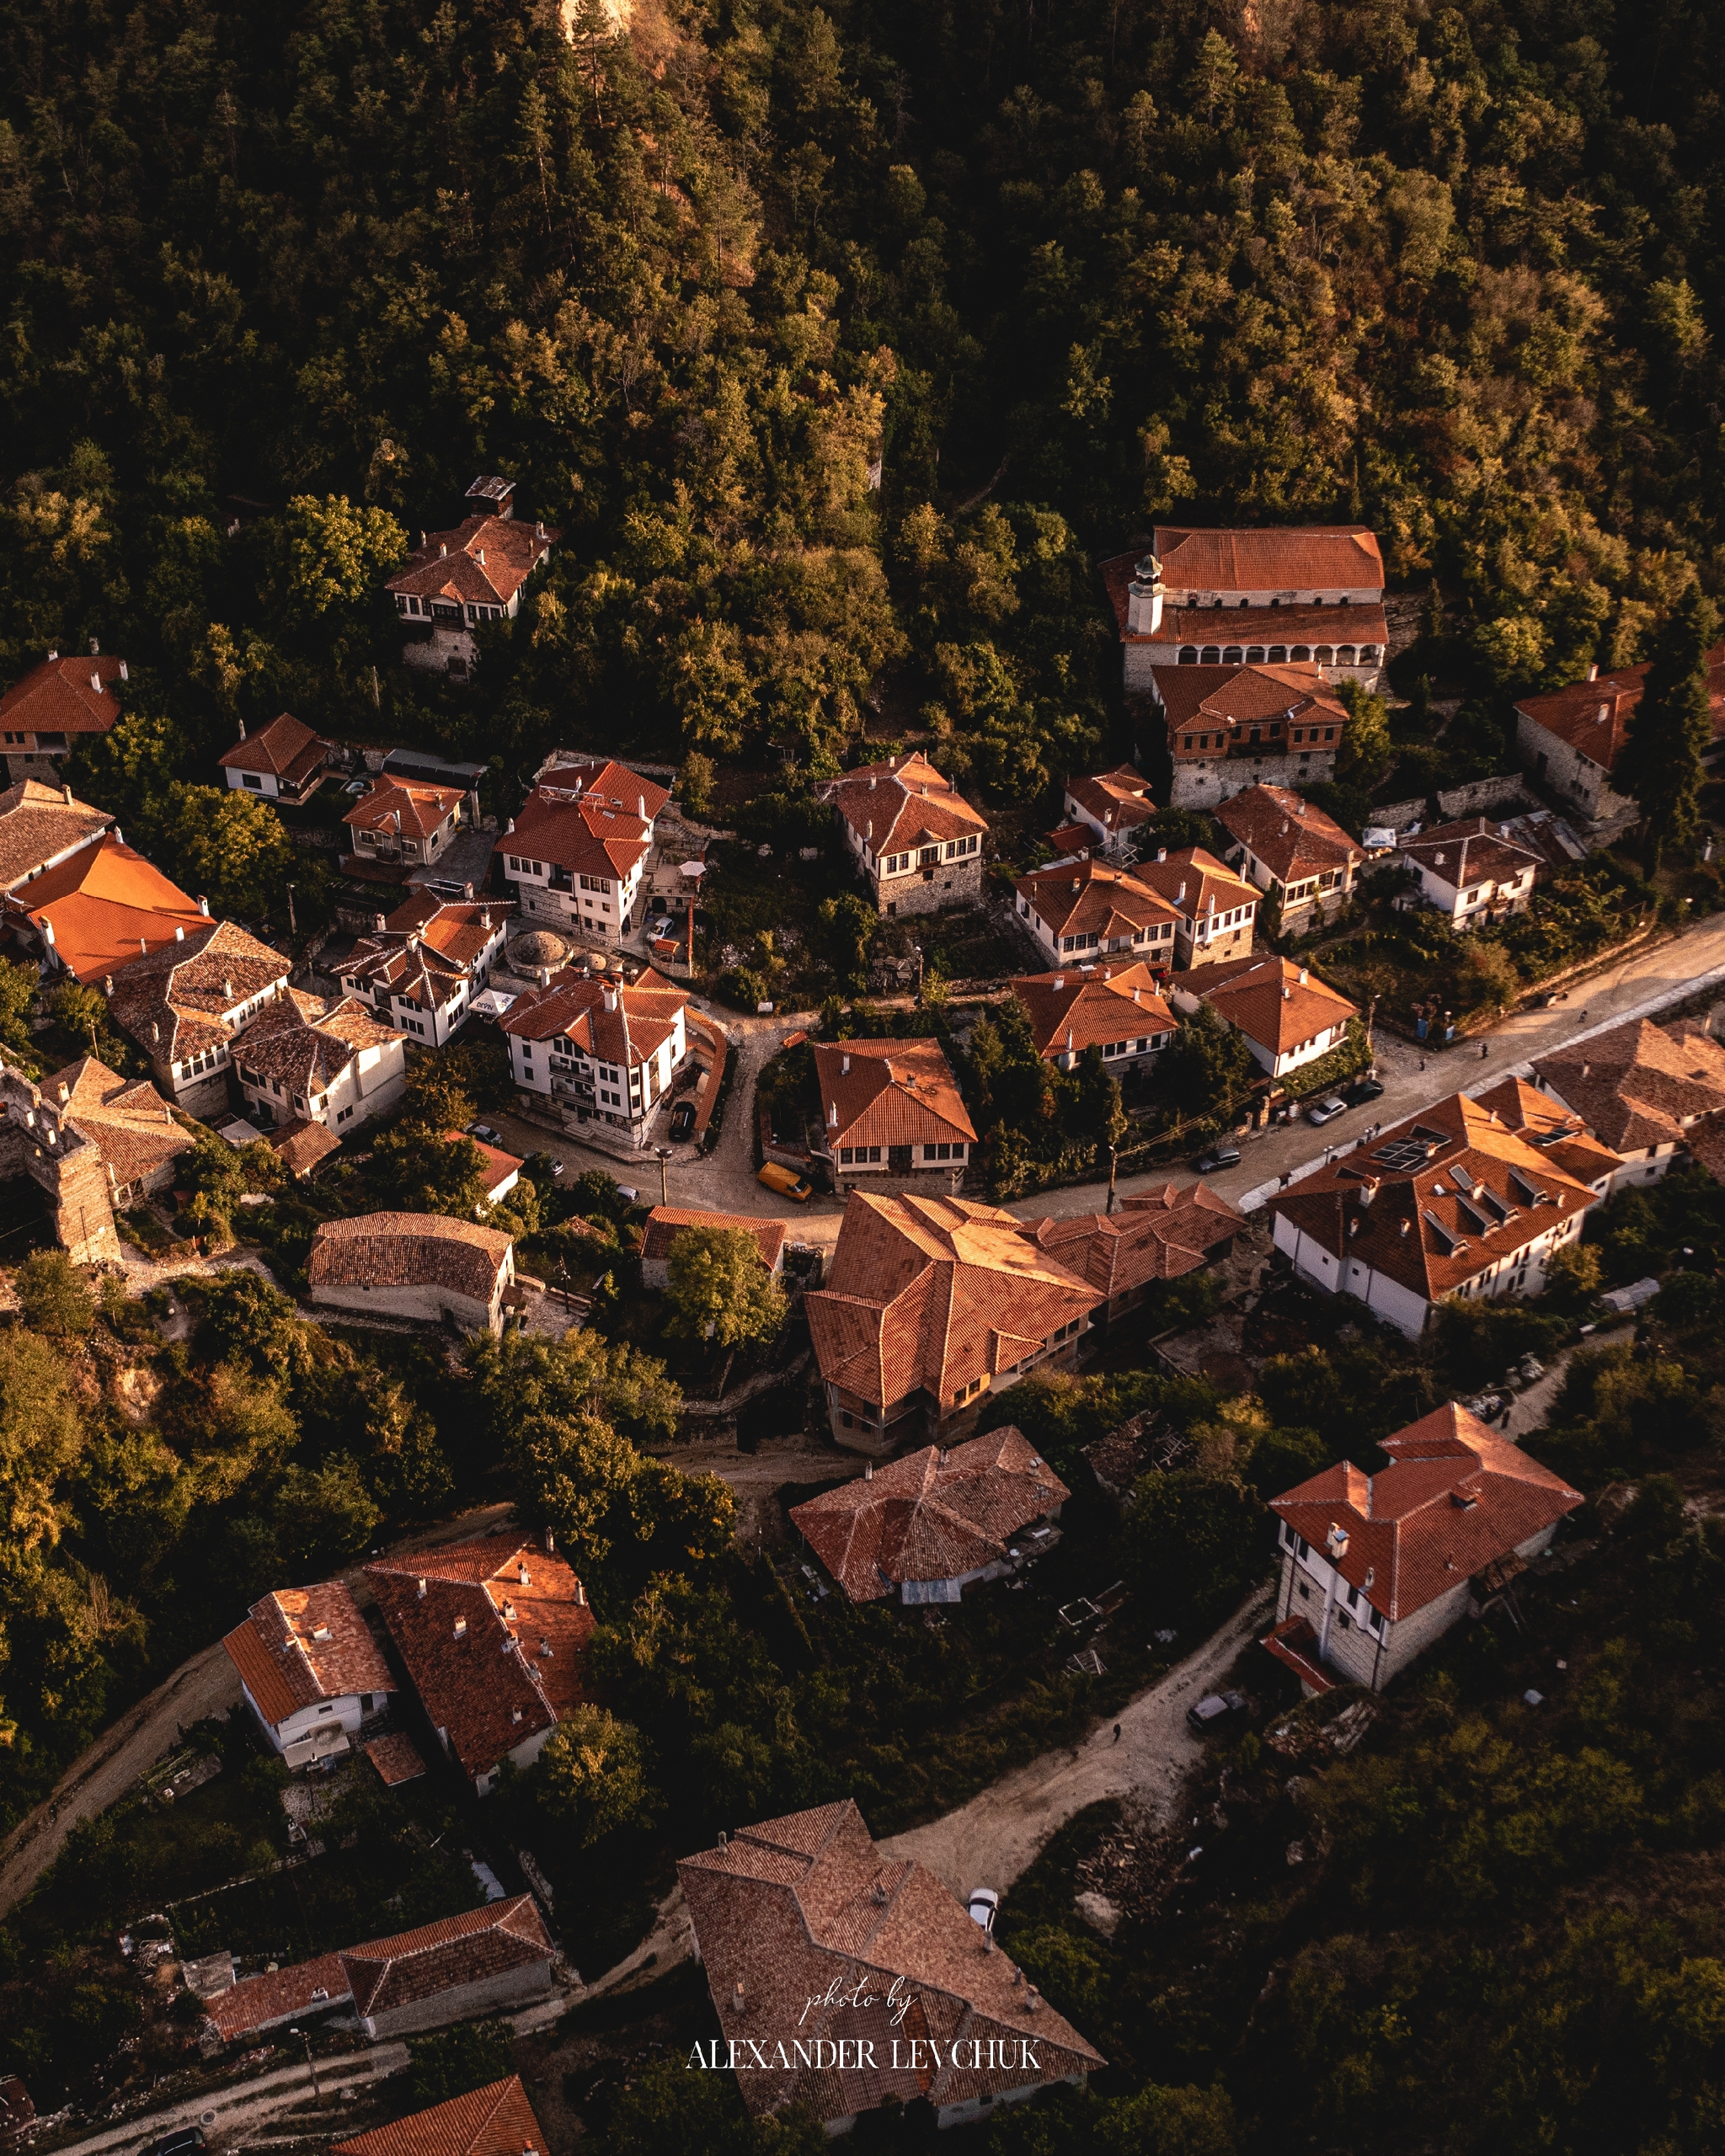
(1483, 795)
(953, 884)
(462, 2001)
(67, 1167)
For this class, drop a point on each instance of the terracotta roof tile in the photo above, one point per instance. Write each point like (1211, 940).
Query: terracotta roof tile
(1453, 1500)
(125, 1119)
(302, 1146)
(1296, 557)
(1639, 1084)
(1558, 1132)
(583, 836)
(396, 1758)
(903, 804)
(494, 2120)
(1195, 883)
(1081, 1007)
(665, 1222)
(1156, 1235)
(1470, 852)
(40, 823)
(389, 1974)
(255, 2003)
(183, 999)
(285, 749)
(609, 784)
(1274, 1002)
(617, 1023)
(422, 808)
(105, 906)
(1248, 710)
(64, 695)
(302, 1645)
(408, 1249)
(1595, 717)
(1087, 897)
(305, 1041)
(889, 1093)
(1290, 836)
(448, 565)
(1119, 799)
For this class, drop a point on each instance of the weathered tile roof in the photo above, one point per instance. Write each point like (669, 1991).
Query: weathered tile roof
(106, 905)
(1156, 1235)
(890, 1093)
(902, 804)
(1216, 711)
(1595, 717)
(1558, 1132)
(1081, 1007)
(174, 1002)
(1437, 1198)
(931, 1515)
(1639, 1084)
(1089, 898)
(64, 695)
(287, 748)
(1292, 837)
(1119, 799)
(664, 1222)
(581, 834)
(494, 2120)
(1470, 852)
(396, 1758)
(408, 1249)
(610, 784)
(1453, 1500)
(408, 805)
(307, 1042)
(303, 1645)
(930, 1294)
(1296, 557)
(617, 1023)
(38, 823)
(125, 1119)
(255, 2003)
(1274, 1002)
(426, 947)
(805, 1908)
(516, 1661)
(485, 560)
(1194, 882)
(301, 1145)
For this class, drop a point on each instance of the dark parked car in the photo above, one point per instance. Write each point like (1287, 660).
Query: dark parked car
(1362, 1091)
(1216, 1709)
(682, 1119)
(1219, 1157)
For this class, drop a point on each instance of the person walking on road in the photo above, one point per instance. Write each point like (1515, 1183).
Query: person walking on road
(1117, 1732)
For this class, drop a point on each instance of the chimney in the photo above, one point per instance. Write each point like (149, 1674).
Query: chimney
(1033, 2000)
(378, 924)
(550, 1542)
(832, 1115)
(610, 995)
(421, 1584)
(872, 781)
(868, 1471)
(204, 908)
(1069, 1040)
(1162, 853)
(1592, 672)
(481, 558)
(1287, 993)
(1134, 991)
(180, 932)
(227, 990)
(241, 730)
(124, 674)
(108, 984)
(1180, 896)
(1602, 714)
(1585, 1069)
(1406, 1224)
(441, 551)
(641, 805)
(523, 1576)
(52, 656)
(1367, 1193)
(1305, 976)
(64, 1091)
(740, 2003)
(67, 791)
(96, 683)
(1335, 1541)
(95, 649)
(460, 1628)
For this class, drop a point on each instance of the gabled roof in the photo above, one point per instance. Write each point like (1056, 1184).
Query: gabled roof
(408, 1249)
(1437, 1199)
(1596, 716)
(615, 1024)
(604, 783)
(484, 561)
(1119, 799)
(287, 748)
(1290, 836)
(902, 804)
(1092, 1007)
(174, 1002)
(125, 1119)
(64, 695)
(1089, 898)
(302, 1645)
(1194, 882)
(1296, 557)
(408, 805)
(888, 1092)
(930, 1294)
(931, 1515)
(1474, 850)
(1639, 1084)
(806, 1908)
(1214, 711)
(305, 1041)
(1156, 1236)
(494, 2120)
(581, 834)
(1454, 1500)
(106, 905)
(1274, 1002)
(427, 947)
(302, 1146)
(1558, 1132)
(515, 1661)
(665, 1222)
(38, 824)
(1287, 629)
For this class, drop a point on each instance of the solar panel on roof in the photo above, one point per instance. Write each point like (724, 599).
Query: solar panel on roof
(1402, 1153)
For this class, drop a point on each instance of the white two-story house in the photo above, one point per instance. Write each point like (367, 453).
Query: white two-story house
(1473, 871)
(598, 1050)
(306, 1060)
(421, 966)
(576, 861)
(310, 1670)
(915, 838)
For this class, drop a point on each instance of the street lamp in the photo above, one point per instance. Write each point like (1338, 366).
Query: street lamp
(1113, 1163)
(917, 948)
(317, 2091)
(293, 926)
(663, 1153)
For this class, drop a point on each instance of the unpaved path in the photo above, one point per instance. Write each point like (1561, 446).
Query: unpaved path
(999, 1834)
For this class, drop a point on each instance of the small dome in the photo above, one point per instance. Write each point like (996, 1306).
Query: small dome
(540, 948)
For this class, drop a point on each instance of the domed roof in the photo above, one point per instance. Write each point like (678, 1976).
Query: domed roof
(539, 947)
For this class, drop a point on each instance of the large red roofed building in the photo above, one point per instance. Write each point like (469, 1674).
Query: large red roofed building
(891, 1109)
(494, 1633)
(1570, 739)
(1117, 1010)
(310, 1669)
(929, 1303)
(1375, 1567)
(1289, 848)
(1080, 909)
(598, 1049)
(494, 2120)
(54, 706)
(1451, 1201)
(1646, 1092)
(1288, 1016)
(1159, 1235)
(917, 840)
(422, 965)
(414, 1265)
(456, 580)
(101, 907)
(807, 1908)
(929, 1525)
(1311, 594)
(1230, 728)
(576, 860)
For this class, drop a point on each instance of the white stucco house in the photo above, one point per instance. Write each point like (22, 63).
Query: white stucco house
(310, 1670)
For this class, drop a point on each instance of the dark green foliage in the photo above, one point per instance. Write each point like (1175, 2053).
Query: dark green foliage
(452, 2060)
(1203, 1070)
(1193, 1543)
(1660, 767)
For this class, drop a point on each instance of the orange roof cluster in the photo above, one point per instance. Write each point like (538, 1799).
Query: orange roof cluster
(176, 1002)
(64, 695)
(1639, 1084)
(1437, 1199)
(426, 948)
(931, 1293)
(665, 1223)
(889, 1093)
(931, 1515)
(902, 804)
(1088, 898)
(1290, 836)
(302, 1645)
(1559, 1132)
(806, 1908)
(579, 833)
(105, 906)
(494, 2120)
(1454, 1500)
(411, 808)
(1156, 1235)
(622, 1024)
(285, 749)
(38, 824)
(1093, 1006)
(1194, 882)
(1279, 1005)
(1595, 716)
(484, 561)
(493, 1633)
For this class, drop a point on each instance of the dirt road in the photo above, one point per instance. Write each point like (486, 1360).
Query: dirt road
(989, 1841)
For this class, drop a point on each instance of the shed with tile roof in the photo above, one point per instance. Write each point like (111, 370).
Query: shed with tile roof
(414, 1265)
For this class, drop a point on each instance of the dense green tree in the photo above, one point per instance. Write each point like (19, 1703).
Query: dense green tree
(720, 1290)
(1660, 763)
(54, 1296)
(1203, 1070)
(592, 1778)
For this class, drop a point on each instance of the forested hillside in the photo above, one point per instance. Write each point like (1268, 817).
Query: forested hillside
(1062, 269)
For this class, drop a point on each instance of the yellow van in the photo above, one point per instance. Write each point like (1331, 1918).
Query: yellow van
(786, 1181)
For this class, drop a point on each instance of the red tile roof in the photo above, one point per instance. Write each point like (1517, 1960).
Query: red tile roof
(285, 749)
(1306, 630)
(125, 1119)
(255, 2003)
(1558, 1132)
(106, 905)
(64, 695)
(616, 1023)
(890, 1092)
(584, 836)
(1119, 799)
(408, 1249)
(665, 1222)
(931, 1293)
(931, 1515)
(426, 948)
(1471, 851)
(1595, 717)
(305, 1041)
(484, 561)
(410, 807)
(494, 2120)
(1194, 882)
(40, 823)
(1290, 836)
(608, 784)
(302, 1146)
(1217, 710)
(1453, 1500)
(1093, 1006)
(902, 804)
(1296, 557)
(1639, 1084)
(1470, 1190)
(1274, 1002)
(1156, 1236)
(515, 1663)
(396, 1759)
(182, 999)
(302, 1645)
(1089, 898)
(806, 1907)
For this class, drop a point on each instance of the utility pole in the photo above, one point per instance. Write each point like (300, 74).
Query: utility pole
(1113, 1163)
(317, 2091)
(663, 1153)
(293, 926)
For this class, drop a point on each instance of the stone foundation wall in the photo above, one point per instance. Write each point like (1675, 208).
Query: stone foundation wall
(954, 883)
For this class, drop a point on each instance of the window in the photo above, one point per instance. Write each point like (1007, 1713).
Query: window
(594, 883)
(251, 780)
(343, 1115)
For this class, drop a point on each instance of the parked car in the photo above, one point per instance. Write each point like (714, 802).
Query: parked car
(484, 1133)
(682, 1119)
(1218, 1158)
(786, 1181)
(984, 1906)
(1485, 1405)
(185, 2142)
(1362, 1091)
(1215, 1709)
(1532, 1369)
(1327, 1110)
